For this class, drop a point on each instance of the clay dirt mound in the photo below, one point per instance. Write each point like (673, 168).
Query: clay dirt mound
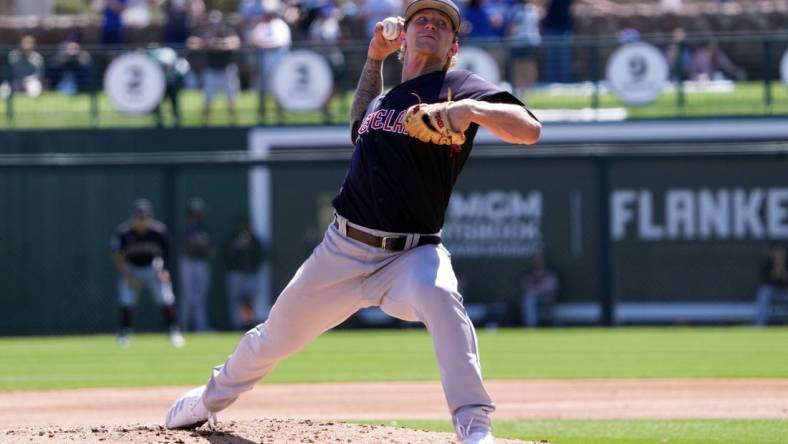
(266, 431)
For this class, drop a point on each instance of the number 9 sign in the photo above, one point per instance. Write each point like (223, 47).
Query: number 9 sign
(637, 72)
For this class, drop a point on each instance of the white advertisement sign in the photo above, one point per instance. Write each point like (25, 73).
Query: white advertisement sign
(134, 84)
(637, 72)
(302, 81)
(687, 214)
(496, 223)
(784, 67)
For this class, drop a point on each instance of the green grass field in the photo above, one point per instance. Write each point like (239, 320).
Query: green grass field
(629, 432)
(739, 352)
(53, 110)
(391, 355)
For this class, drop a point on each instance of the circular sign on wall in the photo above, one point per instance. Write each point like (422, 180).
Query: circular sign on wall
(637, 72)
(784, 67)
(302, 81)
(478, 61)
(134, 84)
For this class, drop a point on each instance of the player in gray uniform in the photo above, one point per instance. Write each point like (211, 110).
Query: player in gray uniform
(139, 248)
(195, 269)
(384, 248)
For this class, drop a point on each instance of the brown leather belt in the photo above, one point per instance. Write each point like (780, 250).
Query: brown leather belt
(391, 243)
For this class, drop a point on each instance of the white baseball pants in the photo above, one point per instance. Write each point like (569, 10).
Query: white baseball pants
(146, 277)
(342, 276)
(195, 286)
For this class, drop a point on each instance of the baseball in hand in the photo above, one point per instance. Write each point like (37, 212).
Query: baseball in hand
(390, 28)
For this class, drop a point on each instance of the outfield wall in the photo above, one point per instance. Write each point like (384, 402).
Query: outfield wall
(649, 222)
(55, 270)
(656, 231)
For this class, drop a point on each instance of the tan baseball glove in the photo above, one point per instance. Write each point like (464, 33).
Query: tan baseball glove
(430, 123)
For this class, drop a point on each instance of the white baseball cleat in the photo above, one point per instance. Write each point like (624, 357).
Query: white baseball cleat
(479, 438)
(124, 340)
(124, 337)
(176, 339)
(189, 411)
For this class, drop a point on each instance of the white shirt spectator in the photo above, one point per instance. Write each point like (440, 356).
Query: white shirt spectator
(325, 28)
(274, 33)
(672, 6)
(524, 24)
(137, 13)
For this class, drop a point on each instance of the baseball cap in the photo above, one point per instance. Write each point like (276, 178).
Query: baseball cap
(143, 206)
(445, 6)
(196, 205)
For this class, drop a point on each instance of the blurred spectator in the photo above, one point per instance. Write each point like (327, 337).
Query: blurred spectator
(709, 62)
(272, 39)
(374, 11)
(26, 67)
(327, 32)
(539, 290)
(678, 55)
(71, 69)
(195, 269)
(558, 30)
(480, 20)
(251, 11)
(112, 29)
(137, 13)
(38, 8)
(672, 6)
(523, 22)
(325, 28)
(306, 13)
(774, 284)
(175, 69)
(349, 8)
(523, 31)
(627, 35)
(182, 16)
(219, 45)
(244, 255)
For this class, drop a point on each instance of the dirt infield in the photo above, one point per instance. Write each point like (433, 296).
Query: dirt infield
(309, 412)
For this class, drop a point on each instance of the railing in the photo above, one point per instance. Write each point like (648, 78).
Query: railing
(582, 92)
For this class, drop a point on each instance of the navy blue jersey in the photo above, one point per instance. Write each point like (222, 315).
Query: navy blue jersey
(140, 249)
(398, 183)
(196, 241)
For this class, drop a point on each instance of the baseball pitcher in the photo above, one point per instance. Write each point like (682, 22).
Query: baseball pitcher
(384, 246)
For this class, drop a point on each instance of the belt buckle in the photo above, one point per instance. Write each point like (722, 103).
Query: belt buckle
(384, 242)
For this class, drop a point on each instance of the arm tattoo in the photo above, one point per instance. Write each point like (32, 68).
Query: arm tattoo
(370, 85)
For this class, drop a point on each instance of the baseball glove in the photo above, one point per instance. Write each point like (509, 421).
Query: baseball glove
(430, 123)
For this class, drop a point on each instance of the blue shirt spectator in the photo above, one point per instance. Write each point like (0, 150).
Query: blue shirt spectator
(112, 29)
(481, 21)
(181, 17)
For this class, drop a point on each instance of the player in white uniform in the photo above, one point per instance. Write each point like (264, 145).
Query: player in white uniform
(384, 248)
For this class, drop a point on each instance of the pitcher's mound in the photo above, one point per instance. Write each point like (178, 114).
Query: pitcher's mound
(234, 432)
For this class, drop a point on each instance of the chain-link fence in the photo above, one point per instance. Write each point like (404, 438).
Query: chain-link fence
(562, 79)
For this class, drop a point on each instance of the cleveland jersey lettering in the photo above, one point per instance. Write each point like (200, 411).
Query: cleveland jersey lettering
(382, 189)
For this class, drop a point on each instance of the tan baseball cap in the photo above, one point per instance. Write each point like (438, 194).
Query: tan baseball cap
(445, 6)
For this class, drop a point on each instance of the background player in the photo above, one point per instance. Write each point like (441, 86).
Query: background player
(244, 254)
(195, 269)
(139, 248)
(384, 247)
